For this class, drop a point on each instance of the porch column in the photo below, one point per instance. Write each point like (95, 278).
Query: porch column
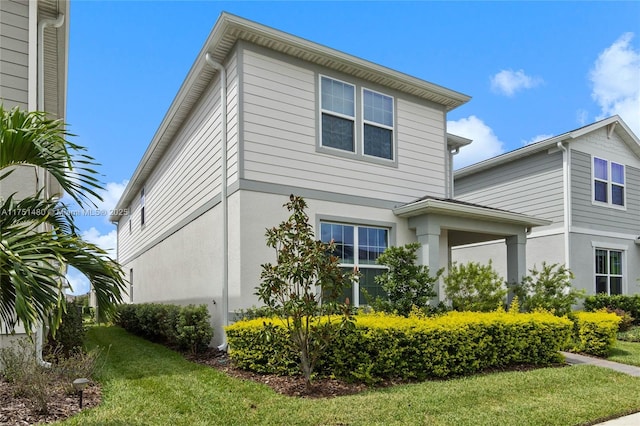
(429, 254)
(516, 260)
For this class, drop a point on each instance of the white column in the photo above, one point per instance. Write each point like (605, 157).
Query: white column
(516, 260)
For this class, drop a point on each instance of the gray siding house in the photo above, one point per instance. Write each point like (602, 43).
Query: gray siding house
(263, 114)
(586, 182)
(33, 76)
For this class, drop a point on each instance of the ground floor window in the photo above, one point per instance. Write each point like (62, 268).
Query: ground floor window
(358, 247)
(608, 271)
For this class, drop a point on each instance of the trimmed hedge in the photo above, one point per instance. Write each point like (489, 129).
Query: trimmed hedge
(386, 346)
(186, 327)
(629, 304)
(596, 332)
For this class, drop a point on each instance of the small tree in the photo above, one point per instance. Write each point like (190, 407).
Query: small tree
(306, 274)
(474, 287)
(406, 284)
(550, 289)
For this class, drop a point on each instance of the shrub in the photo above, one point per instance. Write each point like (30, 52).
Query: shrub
(549, 289)
(474, 287)
(631, 335)
(626, 320)
(387, 346)
(70, 334)
(629, 304)
(186, 327)
(595, 332)
(405, 283)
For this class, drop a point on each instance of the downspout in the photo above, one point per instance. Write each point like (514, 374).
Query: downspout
(452, 152)
(55, 23)
(225, 204)
(566, 170)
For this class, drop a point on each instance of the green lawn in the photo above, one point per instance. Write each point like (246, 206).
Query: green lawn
(626, 353)
(146, 384)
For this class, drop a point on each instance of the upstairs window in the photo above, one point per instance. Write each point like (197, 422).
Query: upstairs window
(608, 182)
(608, 271)
(142, 207)
(378, 124)
(338, 114)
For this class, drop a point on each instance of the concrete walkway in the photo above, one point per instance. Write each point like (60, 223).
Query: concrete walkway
(574, 359)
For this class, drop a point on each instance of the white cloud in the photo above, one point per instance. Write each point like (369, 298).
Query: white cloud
(536, 138)
(78, 282)
(485, 143)
(106, 242)
(616, 82)
(111, 194)
(582, 115)
(508, 82)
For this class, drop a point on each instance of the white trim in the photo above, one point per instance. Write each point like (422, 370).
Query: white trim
(623, 259)
(337, 114)
(32, 97)
(609, 246)
(594, 232)
(609, 182)
(545, 233)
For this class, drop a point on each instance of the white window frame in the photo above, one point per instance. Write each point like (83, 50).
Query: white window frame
(355, 289)
(376, 124)
(608, 274)
(339, 115)
(609, 182)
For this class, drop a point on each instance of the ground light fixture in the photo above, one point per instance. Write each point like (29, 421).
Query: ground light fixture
(79, 385)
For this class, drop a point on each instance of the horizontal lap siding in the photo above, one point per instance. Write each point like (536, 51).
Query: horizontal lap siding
(14, 53)
(603, 218)
(532, 186)
(189, 173)
(280, 122)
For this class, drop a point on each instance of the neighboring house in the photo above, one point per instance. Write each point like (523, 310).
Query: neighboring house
(587, 183)
(263, 114)
(33, 76)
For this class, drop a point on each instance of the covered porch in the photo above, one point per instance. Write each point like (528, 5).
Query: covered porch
(441, 224)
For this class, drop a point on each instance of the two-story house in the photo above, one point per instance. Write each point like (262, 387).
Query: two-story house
(263, 114)
(33, 76)
(586, 182)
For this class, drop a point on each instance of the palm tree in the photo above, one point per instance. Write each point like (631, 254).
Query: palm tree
(38, 236)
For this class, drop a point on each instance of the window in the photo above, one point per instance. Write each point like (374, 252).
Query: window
(341, 125)
(358, 247)
(378, 124)
(608, 182)
(608, 271)
(142, 207)
(131, 285)
(338, 114)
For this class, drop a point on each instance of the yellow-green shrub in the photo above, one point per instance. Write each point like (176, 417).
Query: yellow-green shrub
(388, 346)
(596, 331)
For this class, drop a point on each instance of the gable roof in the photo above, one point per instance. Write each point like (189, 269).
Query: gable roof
(228, 30)
(616, 123)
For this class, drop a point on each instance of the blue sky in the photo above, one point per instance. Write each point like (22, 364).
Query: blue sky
(533, 69)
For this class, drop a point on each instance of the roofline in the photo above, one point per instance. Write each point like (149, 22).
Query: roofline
(435, 206)
(227, 30)
(631, 140)
(456, 141)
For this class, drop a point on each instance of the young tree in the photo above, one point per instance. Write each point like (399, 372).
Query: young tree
(549, 288)
(38, 235)
(474, 287)
(305, 277)
(406, 284)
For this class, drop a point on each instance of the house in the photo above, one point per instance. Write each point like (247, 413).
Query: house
(33, 76)
(263, 114)
(586, 182)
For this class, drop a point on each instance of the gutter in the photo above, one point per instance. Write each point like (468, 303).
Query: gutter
(225, 202)
(566, 181)
(55, 23)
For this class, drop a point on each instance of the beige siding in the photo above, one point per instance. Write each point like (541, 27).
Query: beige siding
(532, 185)
(280, 122)
(14, 53)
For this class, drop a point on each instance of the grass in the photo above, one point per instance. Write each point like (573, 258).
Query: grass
(147, 384)
(626, 353)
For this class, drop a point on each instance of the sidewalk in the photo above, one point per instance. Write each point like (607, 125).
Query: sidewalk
(574, 359)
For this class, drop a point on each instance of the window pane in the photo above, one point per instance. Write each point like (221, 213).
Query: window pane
(338, 97)
(337, 132)
(342, 237)
(616, 285)
(601, 191)
(617, 173)
(378, 108)
(615, 262)
(601, 262)
(601, 285)
(372, 242)
(617, 195)
(600, 169)
(378, 142)
(367, 282)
